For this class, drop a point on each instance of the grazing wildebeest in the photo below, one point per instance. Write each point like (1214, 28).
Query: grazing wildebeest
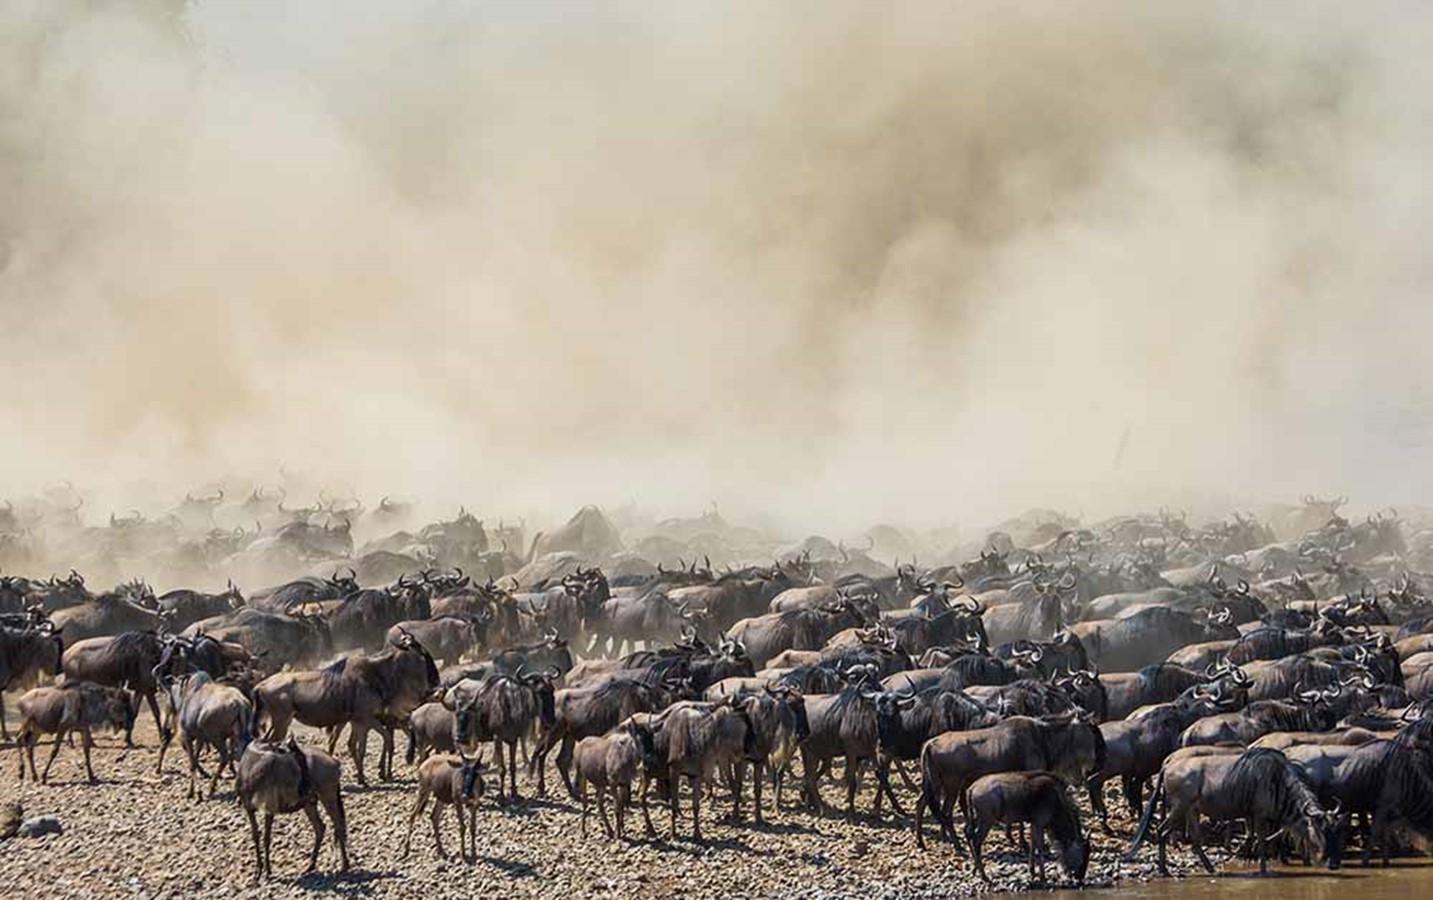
(454, 781)
(274, 779)
(1040, 798)
(74, 706)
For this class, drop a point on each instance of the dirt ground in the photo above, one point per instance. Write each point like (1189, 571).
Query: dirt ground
(135, 834)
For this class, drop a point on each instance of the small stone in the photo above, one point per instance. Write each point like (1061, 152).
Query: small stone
(40, 826)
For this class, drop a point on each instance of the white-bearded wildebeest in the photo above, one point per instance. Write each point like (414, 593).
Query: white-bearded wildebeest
(209, 714)
(362, 692)
(842, 725)
(702, 738)
(907, 718)
(610, 763)
(26, 653)
(1144, 638)
(1039, 798)
(448, 637)
(801, 629)
(74, 706)
(455, 781)
(431, 727)
(185, 607)
(125, 660)
(1259, 785)
(587, 711)
(297, 640)
(1069, 746)
(274, 779)
(107, 614)
(503, 708)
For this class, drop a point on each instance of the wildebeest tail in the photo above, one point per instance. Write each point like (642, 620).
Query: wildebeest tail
(1155, 796)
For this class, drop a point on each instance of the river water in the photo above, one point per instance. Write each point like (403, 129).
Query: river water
(1405, 880)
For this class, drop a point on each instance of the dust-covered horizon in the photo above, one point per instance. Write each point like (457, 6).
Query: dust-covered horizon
(829, 262)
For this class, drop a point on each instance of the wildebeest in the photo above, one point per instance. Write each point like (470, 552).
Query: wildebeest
(184, 607)
(208, 714)
(610, 763)
(448, 637)
(125, 660)
(1259, 785)
(274, 779)
(1040, 798)
(1309, 712)
(1069, 746)
(74, 706)
(1158, 683)
(362, 692)
(906, 719)
(703, 738)
(1146, 637)
(431, 727)
(503, 708)
(583, 712)
(454, 781)
(26, 653)
(800, 629)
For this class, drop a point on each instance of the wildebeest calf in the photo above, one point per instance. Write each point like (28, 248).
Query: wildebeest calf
(455, 781)
(610, 763)
(1040, 798)
(76, 706)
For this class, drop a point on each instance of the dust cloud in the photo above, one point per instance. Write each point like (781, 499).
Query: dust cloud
(834, 261)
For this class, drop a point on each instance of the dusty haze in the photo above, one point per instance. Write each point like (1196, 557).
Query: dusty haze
(835, 261)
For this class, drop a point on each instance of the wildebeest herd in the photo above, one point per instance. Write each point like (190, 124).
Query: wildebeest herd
(1257, 683)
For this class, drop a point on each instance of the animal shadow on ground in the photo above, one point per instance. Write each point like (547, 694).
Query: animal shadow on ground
(354, 883)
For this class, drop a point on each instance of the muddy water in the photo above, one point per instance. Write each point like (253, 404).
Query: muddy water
(1406, 880)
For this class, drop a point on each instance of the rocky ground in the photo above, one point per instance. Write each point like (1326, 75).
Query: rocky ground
(134, 834)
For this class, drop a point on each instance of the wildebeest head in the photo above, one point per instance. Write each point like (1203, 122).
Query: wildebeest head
(473, 768)
(409, 644)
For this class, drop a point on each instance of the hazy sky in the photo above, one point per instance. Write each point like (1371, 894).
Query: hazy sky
(836, 260)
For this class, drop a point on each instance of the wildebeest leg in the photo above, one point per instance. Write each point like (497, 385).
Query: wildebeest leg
(1195, 835)
(268, 845)
(357, 748)
(810, 772)
(54, 751)
(646, 812)
(164, 733)
(473, 829)
(622, 797)
(334, 807)
(883, 776)
(1095, 786)
(602, 810)
(1037, 849)
(88, 744)
(28, 740)
(334, 731)
(947, 822)
(975, 835)
(4, 729)
(674, 791)
(191, 753)
(696, 808)
(737, 771)
(564, 763)
(386, 770)
(413, 817)
(223, 761)
(1134, 795)
(437, 830)
(316, 821)
(512, 769)
(258, 847)
(462, 832)
(853, 778)
(757, 773)
(582, 799)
